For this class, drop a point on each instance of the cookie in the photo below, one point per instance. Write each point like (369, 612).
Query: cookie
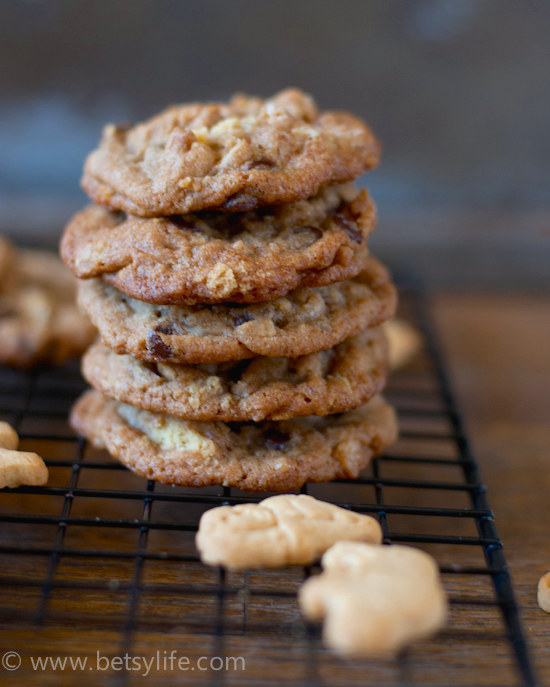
(39, 321)
(543, 593)
(404, 342)
(304, 321)
(375, 600)
(289, 529)
(234, 157)
(321, 383)
(270, 456)
(213, 257)
(18, 467)
(8, 437)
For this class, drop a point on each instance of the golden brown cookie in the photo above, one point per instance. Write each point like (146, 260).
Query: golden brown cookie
(320, 383)
(212, 257)
(304, 321)
(270, 456)
(236, 156)
(39, 321)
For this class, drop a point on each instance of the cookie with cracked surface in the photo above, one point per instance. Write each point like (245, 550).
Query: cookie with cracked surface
(212, 257)
(321, 383)
(269, 456)
(304, 321)
(39, 320)
(230, 156)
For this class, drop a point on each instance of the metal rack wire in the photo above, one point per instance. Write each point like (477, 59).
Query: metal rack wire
(103, 561)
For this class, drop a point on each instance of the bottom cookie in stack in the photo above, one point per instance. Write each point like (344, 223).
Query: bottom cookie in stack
(267, 456)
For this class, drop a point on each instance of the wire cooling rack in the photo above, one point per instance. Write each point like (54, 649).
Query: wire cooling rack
(100, 566)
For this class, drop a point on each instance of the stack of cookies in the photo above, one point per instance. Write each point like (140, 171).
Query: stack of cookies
(225, 265)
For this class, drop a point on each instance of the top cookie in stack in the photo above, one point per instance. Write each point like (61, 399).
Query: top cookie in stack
(226, 264)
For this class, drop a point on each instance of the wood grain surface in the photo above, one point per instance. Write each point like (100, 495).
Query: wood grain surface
(498, 347)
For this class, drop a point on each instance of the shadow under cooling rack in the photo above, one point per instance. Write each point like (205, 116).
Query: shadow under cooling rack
(101, 563)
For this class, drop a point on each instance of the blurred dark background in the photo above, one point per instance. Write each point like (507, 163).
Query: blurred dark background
(458, 91)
